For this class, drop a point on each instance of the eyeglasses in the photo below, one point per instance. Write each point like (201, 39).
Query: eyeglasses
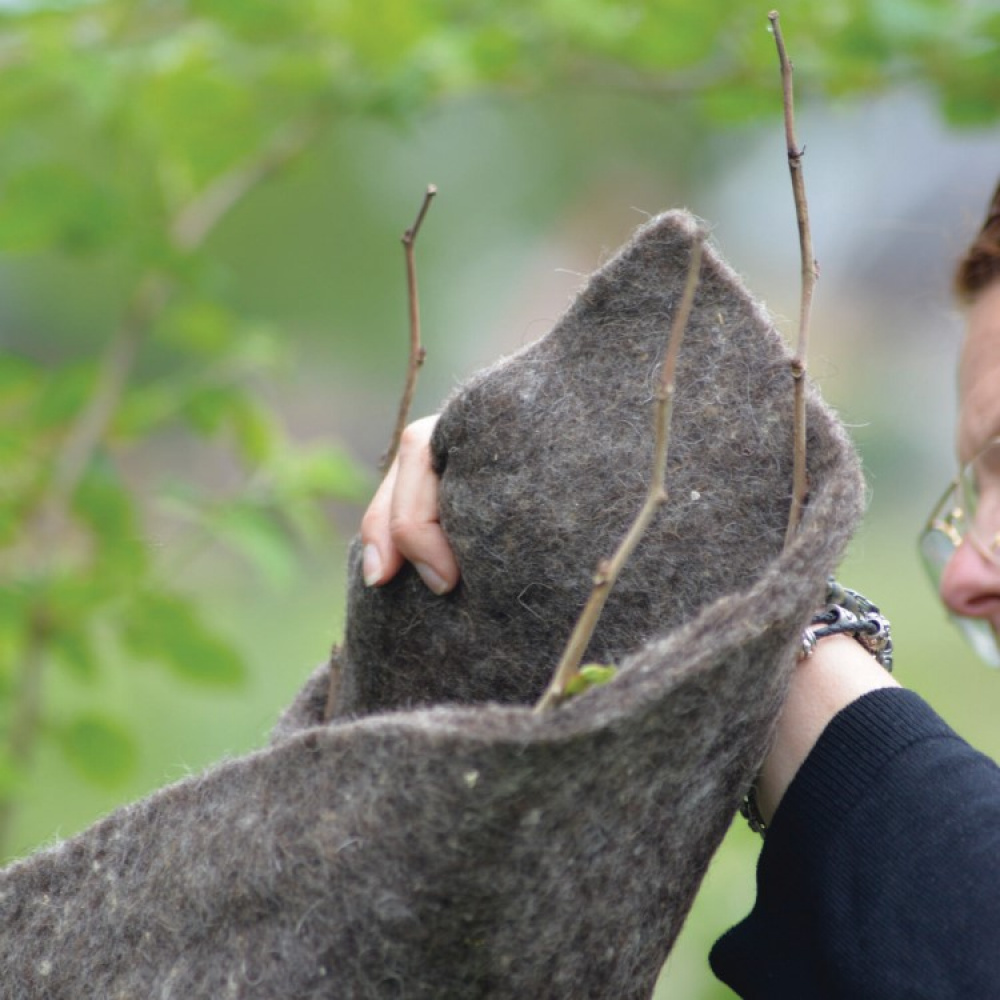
(969, 511)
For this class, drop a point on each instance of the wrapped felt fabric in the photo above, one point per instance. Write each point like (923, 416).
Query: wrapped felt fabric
(435, 838)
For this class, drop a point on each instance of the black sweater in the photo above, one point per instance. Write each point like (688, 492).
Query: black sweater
(880, 875)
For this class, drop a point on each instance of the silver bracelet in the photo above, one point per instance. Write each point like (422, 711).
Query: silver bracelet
(846, 612)
(849, 613)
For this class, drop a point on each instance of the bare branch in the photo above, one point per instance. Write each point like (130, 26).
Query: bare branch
(608, 570)
(809, 275)
(417, 352)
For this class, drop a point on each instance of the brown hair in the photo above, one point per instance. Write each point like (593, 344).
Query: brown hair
(980, 264)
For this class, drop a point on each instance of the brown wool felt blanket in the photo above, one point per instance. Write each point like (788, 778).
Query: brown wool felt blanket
(435, 838)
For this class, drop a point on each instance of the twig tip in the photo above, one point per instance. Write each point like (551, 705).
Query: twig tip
(409, 237)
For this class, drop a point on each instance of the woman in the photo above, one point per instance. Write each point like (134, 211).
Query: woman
(880, 871)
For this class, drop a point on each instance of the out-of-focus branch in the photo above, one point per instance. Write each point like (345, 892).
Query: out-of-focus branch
(85, 434)
(190, 228)
(609, 570)
(46, 522)
(417, 351)
(810, 272)
(205, 211)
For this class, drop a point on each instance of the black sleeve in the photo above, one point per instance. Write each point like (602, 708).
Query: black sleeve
(880, 875)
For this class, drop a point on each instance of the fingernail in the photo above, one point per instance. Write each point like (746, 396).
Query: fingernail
(437, 584)
(371, 565)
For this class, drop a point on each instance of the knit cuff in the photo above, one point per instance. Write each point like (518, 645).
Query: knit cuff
(855, 746)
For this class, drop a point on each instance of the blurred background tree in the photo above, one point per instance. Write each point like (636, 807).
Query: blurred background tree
(202, 316)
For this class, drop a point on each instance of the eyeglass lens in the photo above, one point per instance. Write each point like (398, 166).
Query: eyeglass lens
(970, 509)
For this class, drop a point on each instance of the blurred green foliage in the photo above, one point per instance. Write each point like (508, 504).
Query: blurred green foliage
(132, 130)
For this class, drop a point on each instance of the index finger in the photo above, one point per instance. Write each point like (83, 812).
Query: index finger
(402, 520)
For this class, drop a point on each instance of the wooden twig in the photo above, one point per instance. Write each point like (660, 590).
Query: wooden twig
(809, 275)
(417, 351)
(608, 570)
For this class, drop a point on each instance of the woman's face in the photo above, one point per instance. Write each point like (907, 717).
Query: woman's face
(970, 582)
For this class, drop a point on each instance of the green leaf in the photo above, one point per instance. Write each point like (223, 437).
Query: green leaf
(969, 109)
(321, 473)
(193, 105)
(74, 648)
(168, 629)
(257, 347)
(55, 205)
(202, 328)
(99, 748)
(144, 409)
(208, 407)
(255, 534)
(255, 430)
(103, 503)
(969, 98)
(588, 676)
(71, 598)
(63, 394)
(262, 21)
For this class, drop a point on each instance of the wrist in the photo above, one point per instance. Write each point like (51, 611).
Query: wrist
(838, 672)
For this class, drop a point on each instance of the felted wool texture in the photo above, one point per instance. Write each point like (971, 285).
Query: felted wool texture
(468, 850)
(545, 460)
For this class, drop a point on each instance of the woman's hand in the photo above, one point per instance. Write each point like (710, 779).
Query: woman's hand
(401, 522)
